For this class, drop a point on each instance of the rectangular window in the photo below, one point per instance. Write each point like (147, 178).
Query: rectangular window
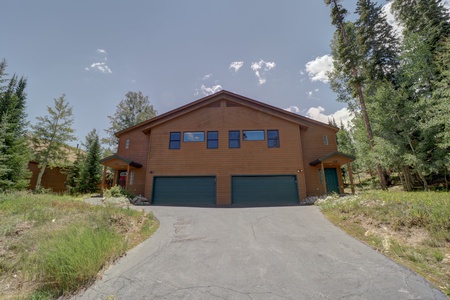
(253, 135)
(213, 140)
(131, 177)
(194, 136)
(273, 139)
(234, 139)
(325, 140)
(127, 144)
(175, 140)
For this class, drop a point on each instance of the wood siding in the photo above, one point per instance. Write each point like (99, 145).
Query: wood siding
(53, 178)
(314, 148)
(137, 151)
(252, 158)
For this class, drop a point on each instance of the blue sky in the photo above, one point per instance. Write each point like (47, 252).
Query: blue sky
(174, 52)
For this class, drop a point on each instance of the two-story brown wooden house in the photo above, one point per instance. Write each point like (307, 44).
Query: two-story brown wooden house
(228, 149)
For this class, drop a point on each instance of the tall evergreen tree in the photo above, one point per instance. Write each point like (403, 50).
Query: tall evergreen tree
(428, 18)
(4, 157)
(348, 57)
(134, 109)
(13, 118)
(377, 42)
(51, 135)
(91, 170)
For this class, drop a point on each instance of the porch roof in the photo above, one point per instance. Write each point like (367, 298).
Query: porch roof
(116, 161)
(335, 159)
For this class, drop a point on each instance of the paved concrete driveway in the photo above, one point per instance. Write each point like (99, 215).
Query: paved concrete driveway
(255, 253)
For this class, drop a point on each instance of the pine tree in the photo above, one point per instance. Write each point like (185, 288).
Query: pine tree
(134, 109)
(428, 18)
(51, 135)
(348, 56)
(378, 45)
(4, 157)
(91, 170)
(13, 117)
(74, 174)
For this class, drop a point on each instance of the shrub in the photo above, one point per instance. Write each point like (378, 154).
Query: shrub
(117, 191)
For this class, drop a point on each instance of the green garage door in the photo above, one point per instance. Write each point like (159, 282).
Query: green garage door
(264, 190)
(184, 190)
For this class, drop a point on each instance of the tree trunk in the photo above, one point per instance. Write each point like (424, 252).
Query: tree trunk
(39, 179)
(362, 105)
(423, 179)
(408, 179)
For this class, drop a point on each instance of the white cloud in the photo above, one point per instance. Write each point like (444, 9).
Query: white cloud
(260, 68)
(391, 19)
(343, 115)
(236, 65)
(210, 90)
(100, 64)
(102, 67)
(317, 69)
(207, 76)
(293, 109)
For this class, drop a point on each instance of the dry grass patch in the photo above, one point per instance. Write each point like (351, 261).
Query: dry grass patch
(52, 246)
(410, 228)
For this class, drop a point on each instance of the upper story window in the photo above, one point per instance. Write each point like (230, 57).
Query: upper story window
(253, 135)
(127, 144)
(234, 139)
(175, 140)
(194, 136)
(273, 139)
(213, 140)
(325, 140)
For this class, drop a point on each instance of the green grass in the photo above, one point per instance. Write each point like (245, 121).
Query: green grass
(417, 225)
(55, 245)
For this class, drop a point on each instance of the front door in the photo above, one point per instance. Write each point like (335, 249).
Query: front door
(332, 181)
(122, 178)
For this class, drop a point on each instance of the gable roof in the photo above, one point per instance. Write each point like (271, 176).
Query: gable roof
(229, 96)
(121, 158)
(335, 154)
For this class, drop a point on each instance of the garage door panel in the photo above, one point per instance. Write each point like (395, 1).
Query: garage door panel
(265, 190)
(189, 190)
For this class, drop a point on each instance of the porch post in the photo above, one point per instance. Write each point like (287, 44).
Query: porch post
(350, 175)
(116, 174)
(128, 177)
(324, 178)
(104, 177)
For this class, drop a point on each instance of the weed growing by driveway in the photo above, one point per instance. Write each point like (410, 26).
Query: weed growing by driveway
(55, 245)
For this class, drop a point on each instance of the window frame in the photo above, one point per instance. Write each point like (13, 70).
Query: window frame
(325, 140)
(208, 139)
(269, 139)
(127, 143)
(244, 133)
(193, 132)
(173, 140)
(238, 139)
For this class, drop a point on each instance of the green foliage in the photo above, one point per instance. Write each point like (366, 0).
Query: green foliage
(63, 267)
(397, 89)
(134, 109)
(56, 245)
(91, 170)
(14, 150)
(51, 135)
(117, 191)
(74, 174)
